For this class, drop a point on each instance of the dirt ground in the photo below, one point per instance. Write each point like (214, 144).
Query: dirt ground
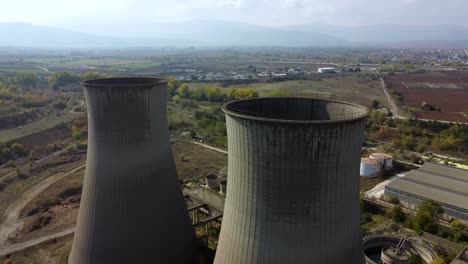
(53, 252)
(452, 102)
(38, 173)
(54, 210)
(194, 162)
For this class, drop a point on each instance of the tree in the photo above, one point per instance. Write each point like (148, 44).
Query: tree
(279, 93)
(172, 86)
(60, 79)
(241, 93)
(397, 214)
(408, 142)
(183, 91)
(199, 94)
(92, 75)
(215, 94)
(384, 133)
(426, 217)
(28, 79)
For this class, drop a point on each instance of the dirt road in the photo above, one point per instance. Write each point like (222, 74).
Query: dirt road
(210, 147)
(391, 103)
(12, 224)
(8, 249)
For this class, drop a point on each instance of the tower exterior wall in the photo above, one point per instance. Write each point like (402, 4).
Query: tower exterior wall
(293, 194)
(132, 208)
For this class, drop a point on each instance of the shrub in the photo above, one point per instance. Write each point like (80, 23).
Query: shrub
(426, 217)
(53, 147)
(221, 141)
(82, 145)
(77, 135)
(6, 153)
(18, 149)
(59, 105)
(397, 214)
(393, 200)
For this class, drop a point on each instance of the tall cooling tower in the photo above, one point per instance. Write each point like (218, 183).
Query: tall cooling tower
(132, 208)
(293, 182)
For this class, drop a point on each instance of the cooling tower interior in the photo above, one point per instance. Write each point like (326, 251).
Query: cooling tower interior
(293, 171)
(132, 208)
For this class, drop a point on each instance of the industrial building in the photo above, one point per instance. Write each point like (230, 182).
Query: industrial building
(293, 193)
(385, 160)
(448, 186)
(132, 208)
(327, 70)
(373, 166)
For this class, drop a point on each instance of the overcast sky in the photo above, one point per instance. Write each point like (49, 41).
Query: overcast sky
(70, 13)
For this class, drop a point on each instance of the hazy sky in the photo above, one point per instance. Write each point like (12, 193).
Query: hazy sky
(70, 13)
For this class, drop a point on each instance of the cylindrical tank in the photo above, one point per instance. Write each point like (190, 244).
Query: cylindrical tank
(212, 181)
(369, 167)
(293, 169)
(132, 208)
(222, 186)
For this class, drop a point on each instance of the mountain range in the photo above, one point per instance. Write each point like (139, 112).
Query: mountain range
(222, 33)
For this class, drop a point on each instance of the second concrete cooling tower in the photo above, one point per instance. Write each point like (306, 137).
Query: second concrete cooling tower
(293, 182)
(132, 208)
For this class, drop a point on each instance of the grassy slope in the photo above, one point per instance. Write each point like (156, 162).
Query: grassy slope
(31, 128)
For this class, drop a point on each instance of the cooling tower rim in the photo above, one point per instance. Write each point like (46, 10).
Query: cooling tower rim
(130, 81)
(229, 111)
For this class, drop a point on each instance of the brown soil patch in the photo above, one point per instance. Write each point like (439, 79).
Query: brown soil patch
(195, 162)
(450, 101)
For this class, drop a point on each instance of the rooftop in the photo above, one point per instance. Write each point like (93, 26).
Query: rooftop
(369, 161)
(381, 156)
(443, 184)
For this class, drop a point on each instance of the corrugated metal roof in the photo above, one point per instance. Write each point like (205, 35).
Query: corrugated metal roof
(436, 181)
(445, 171)
(440, 183)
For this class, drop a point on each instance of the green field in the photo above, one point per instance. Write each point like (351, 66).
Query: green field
(38, 126)
(355, 88)
(432, 85)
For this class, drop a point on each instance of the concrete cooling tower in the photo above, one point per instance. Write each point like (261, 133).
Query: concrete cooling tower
(132, 208)
(293, 182)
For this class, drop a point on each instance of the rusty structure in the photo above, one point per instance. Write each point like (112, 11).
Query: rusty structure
(132, 208)
(293, 172)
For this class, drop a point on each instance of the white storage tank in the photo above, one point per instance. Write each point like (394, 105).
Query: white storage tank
(370, 167)
(384, 159)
